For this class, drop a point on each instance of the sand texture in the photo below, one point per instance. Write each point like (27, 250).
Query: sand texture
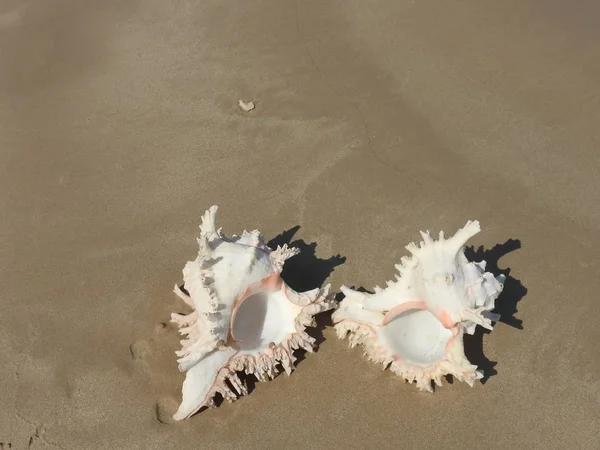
(373, 119)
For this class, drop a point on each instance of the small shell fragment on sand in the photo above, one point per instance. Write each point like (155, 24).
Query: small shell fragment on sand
(246, 106)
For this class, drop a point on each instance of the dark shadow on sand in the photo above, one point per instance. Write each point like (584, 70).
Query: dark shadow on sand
(506, 303)
(306, 271)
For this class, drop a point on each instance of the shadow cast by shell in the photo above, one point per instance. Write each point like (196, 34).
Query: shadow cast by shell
(307, 271)
(506, 303)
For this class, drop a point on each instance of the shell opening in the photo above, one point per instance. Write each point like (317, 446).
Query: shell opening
(417, 337)
(262, 319)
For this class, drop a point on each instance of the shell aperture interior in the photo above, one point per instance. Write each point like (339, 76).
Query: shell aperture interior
(244, 317)
(416, 324)
(262, 319)
(417, 336)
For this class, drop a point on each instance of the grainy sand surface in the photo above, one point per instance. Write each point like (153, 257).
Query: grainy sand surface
(119, 126)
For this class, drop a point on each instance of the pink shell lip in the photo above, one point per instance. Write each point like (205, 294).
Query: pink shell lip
(442, 316)
(397, 310)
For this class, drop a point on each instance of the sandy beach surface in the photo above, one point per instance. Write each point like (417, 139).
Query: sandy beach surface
(119, 126)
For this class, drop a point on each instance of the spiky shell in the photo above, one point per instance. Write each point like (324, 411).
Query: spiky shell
(416, 324)
(226, 334)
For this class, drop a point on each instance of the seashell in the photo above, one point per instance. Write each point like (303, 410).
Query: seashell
(245, 317)
(416, 324)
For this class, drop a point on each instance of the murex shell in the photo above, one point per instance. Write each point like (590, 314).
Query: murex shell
(245, 317)
(416, 324)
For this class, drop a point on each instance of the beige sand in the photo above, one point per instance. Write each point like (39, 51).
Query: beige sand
(119, 126)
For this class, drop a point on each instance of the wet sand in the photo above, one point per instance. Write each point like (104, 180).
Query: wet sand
(119, 126)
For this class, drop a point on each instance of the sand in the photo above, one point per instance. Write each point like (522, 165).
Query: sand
(120, 125)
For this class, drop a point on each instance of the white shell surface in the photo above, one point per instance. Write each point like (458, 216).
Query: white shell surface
(416, 324)
(244, 318)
